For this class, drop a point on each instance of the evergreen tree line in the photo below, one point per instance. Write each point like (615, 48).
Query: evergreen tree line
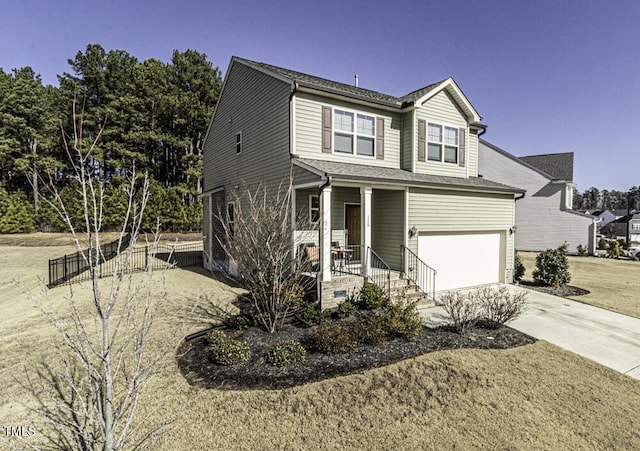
(149, 115)
(593, 199)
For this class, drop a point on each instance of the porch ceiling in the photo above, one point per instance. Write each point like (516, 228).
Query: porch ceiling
(350, 172)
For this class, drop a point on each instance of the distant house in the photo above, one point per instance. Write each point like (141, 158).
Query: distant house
(544, 218)
(604, 217)
(387, 180)
(618, 227)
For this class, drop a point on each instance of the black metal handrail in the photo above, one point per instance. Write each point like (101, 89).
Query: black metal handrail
(378, 271)
(423, 275)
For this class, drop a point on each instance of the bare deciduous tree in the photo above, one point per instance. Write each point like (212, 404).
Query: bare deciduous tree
(258, 244)
(90, 392)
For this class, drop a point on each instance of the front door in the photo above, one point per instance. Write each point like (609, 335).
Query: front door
(352, 223)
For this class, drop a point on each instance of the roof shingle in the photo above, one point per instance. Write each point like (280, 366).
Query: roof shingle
(557, 165)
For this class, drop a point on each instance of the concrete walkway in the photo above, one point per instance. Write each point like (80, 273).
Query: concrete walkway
(609, 338)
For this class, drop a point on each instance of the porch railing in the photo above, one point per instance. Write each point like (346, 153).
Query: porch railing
(378, 271)
(423, 275)
(347, 259)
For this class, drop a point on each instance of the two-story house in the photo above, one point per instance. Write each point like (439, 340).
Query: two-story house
(388, 181)
(544, 217)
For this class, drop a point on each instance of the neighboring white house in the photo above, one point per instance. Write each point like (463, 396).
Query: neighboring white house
(544, 218)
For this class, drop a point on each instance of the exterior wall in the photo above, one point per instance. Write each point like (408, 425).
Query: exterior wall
(442, 109)
(433, 210)
(387, 228)
(406, 146)
(308, 133)
(338, 289)
(258, 106)
(206, 231)
(541, 220)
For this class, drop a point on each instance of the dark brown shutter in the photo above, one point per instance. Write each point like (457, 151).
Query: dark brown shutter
(422, 140)
(380, 138)
(462, 136)
(326, 129)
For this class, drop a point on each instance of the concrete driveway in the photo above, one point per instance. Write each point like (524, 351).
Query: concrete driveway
(609, 338)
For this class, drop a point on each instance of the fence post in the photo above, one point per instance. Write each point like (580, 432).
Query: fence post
(64, 273)
(146, 257)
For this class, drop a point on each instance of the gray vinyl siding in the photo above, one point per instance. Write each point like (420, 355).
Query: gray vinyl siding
(302, 202)
(258, 106)
(206, 223)
(339, 197)
(541, 220)
(308, 133)
(441, 109)
(387, 230)
(218, 210)
(406, 147)
(301, 176)
(472, 153)
(442, 211)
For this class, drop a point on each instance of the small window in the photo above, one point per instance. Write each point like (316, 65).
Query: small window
(443, 143)
(238, 142)
(354, 133)
(314, 209)
(231, 217)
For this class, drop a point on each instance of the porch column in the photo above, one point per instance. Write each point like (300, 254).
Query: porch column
(365, 225)
(325, 234)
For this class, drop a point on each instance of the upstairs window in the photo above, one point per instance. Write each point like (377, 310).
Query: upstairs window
(238, 142)
(443, 143)
(354, 131)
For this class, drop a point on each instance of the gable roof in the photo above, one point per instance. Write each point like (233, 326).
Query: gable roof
(362, 172)
(368, 95)
(557, 165)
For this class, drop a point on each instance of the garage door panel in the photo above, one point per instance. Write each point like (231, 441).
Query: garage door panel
(462, 260)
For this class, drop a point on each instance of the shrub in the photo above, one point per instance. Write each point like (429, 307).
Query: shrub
(518, 268)
(499, 306)
(345, 309)
(333, 338)
(312, 316)
(371, 297)
(402, 320)
(16, 214)
(622, 243)
(239, 321)
(614, 249)
(227, 351)
(463, 310)
(370, 329)
(285, 353)
(582, 251)
(603, 244)
(552, 267)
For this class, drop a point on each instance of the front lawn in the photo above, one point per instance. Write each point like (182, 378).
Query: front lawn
(612, 284)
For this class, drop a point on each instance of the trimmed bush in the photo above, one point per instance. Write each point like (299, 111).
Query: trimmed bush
(333, 338)
(614, 249)
(239, 321)
(370, 329)
(312, 316)
(402, 320)
(371, 297)
(285, 352)
(227, 351)
(499, 306)
(518, 268)
(463, 310)
(582, 251)
(552, 267)
(603, 244)
(345, 309)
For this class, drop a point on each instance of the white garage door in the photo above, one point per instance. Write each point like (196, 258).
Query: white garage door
(462, 260)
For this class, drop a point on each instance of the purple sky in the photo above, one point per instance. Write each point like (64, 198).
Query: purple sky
(546, 76)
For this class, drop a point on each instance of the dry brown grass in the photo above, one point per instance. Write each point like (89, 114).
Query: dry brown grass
(537, 396)
(613, 284)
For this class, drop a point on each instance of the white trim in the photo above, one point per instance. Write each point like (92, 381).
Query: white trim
(354, 134)
(292, 125)
(457, 94)
(210, 236)
(325, 234)
(365, 224)
(211, 191)
(311, 196)
(405, 239)
(307, 185)
(444, 125)
(239, 134)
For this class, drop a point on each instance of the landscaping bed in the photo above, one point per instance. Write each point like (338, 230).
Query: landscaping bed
(194, 357)
(564, 292)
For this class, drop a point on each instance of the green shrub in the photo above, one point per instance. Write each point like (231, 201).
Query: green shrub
(227, 351)
(345, 309)
(239, 321)
(16, 213)
(552, 267)
(614, 249)
(518, 268)
(603, 244)
(312, 316)
(371, 297)
(582, 251)
(402, 320)
(370, 329)
(333, 338)
(623, 243)
(285, 352)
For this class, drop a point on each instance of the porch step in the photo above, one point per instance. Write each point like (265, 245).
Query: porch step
(403, 288)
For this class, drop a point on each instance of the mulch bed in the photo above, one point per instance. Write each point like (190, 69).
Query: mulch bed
(563, 292)
(195, 364)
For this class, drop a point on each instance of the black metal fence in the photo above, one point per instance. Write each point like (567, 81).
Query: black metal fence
(74, 267)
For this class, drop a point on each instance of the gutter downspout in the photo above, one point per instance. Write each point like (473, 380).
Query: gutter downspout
(320, 234)
(482, 132)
